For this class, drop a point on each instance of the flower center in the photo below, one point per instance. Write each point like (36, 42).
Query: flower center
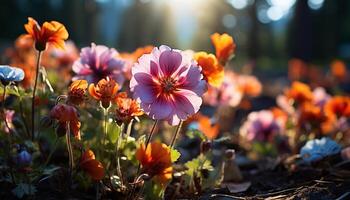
(168, 85)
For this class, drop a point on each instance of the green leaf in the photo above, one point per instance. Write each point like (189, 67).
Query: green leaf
(154, 190)
(113, 132)
(50, 170)
(198, 164)
(194, 133)
(9, 91)
(175, 155)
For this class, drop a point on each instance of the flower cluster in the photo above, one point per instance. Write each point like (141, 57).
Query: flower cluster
(105, 103)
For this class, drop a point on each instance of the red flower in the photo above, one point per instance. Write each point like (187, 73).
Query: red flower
(67, 114)
(92, 166)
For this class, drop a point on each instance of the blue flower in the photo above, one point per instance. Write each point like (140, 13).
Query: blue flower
(24, 158)
(317, 149)
(8, 74)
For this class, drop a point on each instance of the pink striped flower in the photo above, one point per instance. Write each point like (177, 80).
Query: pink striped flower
(169, 84)
(98, 62)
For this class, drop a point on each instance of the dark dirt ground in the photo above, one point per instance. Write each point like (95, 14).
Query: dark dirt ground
(320, 182)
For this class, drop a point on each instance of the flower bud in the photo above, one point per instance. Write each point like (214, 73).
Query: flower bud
(24, 158)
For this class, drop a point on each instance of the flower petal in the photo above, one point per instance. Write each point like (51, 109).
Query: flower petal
(169, 62)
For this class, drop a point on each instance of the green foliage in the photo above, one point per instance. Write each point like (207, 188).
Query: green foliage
(175, 155)
(153, 191)
(194, 133)
(197, 165)
(113, 132)
(129, 148)
(266, 149)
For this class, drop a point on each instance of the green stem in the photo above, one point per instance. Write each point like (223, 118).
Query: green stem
(34, 91)
(51, 153)
(178, 129)
(128, 130)
(105, 114)
(117, 151)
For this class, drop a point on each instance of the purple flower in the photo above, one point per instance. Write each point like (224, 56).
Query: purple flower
(320, 96)
(98, 62)
(261, 126)
(169, 84)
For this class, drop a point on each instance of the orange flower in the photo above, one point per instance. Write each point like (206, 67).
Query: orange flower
(212, 71)
(206, 127)
(299, 92)
(249, 85)
(137, 53)
(65, 113)
(127, 108)
(156, 161)
(24, 43)
(51, 32)
(338, 106)
(314, 115)
(297, 69)
(92, 166)
(105, 91)
(279, 114)
(338, 69)
(77, 92)
(224, 46)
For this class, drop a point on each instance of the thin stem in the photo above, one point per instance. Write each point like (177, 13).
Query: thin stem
(178, 129)
(97, 190)
(51, 153)
(151, 134)
(34, 91)
(105, 114)
(128, 130)
(117, 150)
(70, 151)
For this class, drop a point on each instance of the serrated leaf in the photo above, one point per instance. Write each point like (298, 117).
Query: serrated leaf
(175, 155)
